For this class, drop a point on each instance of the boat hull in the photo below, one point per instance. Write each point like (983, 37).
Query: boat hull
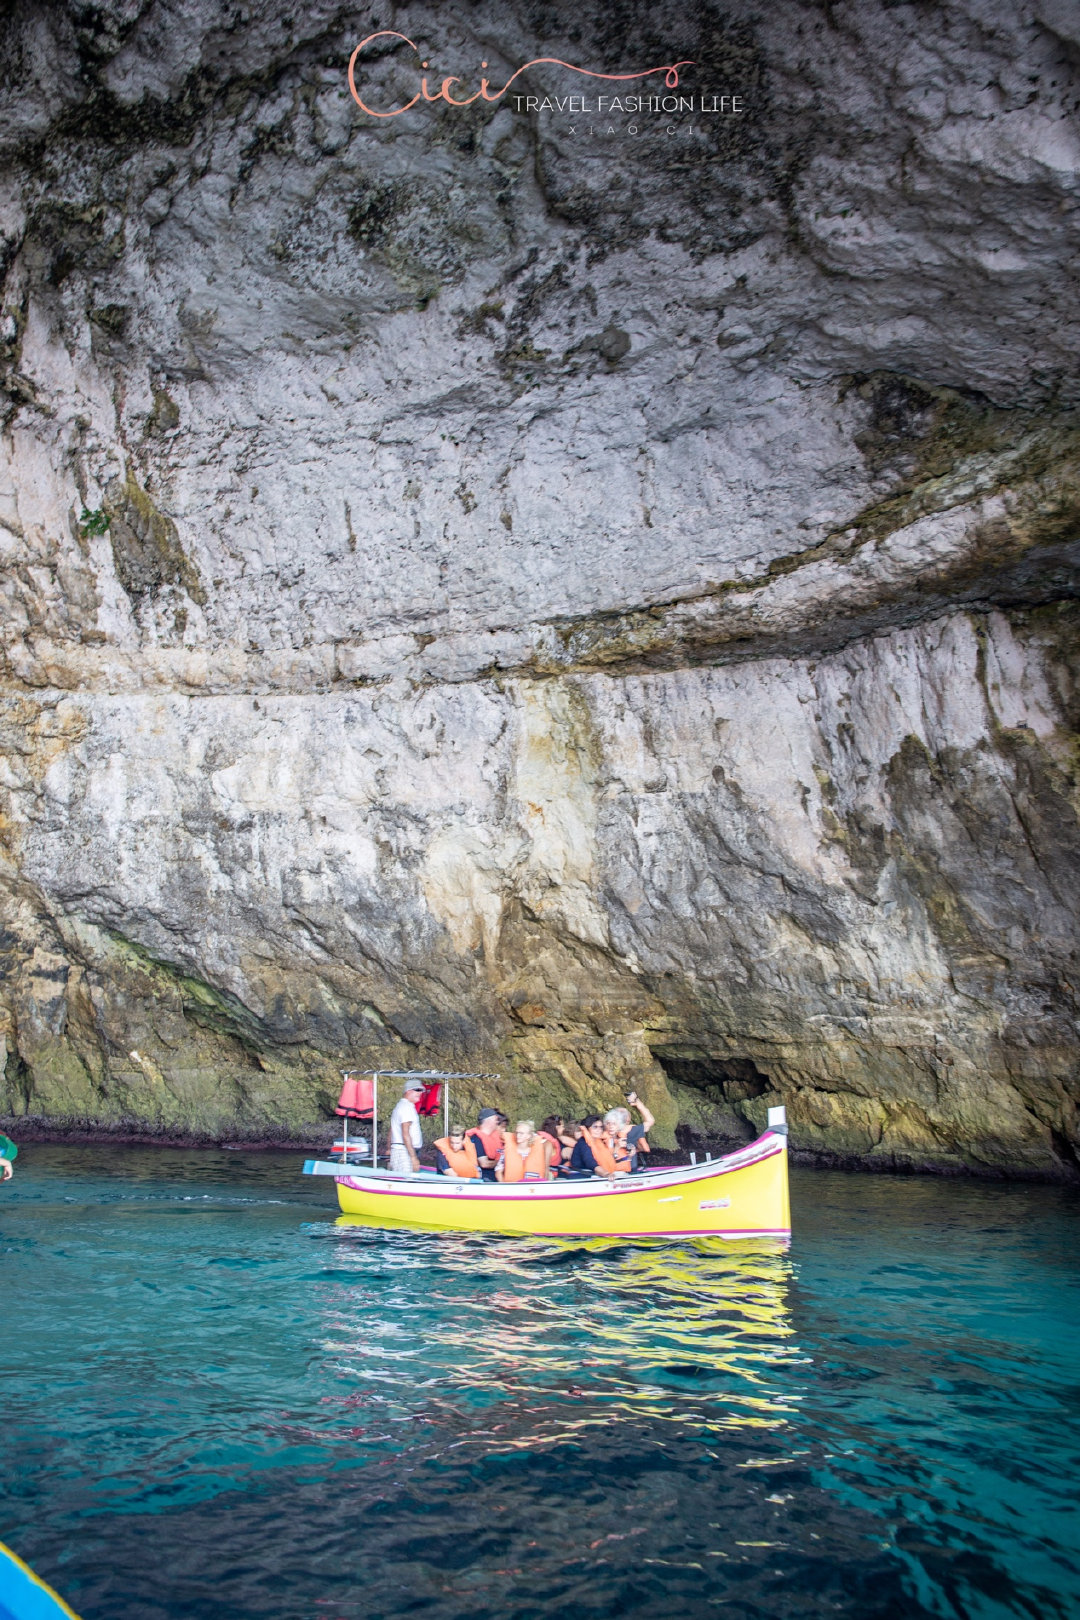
(24, 1595)
(744, 1195)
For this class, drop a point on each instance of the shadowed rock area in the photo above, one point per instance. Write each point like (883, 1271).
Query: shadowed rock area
(587, 596)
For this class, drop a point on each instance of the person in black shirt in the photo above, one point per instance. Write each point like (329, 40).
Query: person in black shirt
(582, 1160)
(594, 1153)
(487, 1139)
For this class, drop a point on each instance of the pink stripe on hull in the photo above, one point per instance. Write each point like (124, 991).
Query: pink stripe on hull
(697, 1231)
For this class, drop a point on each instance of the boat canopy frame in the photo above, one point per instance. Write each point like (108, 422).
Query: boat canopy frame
(375, 1075)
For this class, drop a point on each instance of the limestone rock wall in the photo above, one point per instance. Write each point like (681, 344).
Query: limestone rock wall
(597, 606)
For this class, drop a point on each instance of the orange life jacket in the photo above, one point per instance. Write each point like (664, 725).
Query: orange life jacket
(556, 1146)
(605, 1158)
(624, 1152)
(491, 1141)
(533, 1167)
(461, 1161)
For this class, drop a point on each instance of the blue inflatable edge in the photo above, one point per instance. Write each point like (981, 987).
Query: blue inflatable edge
(24, 1595)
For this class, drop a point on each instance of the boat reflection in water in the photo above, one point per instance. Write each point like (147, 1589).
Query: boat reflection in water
(515, 1343)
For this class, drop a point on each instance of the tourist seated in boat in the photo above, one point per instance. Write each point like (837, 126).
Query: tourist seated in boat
(631, 1139)
(487, 1139)
(554, 1130)
(526, 1155)
(616, 1131)
(594, 1153)
(455, 1155)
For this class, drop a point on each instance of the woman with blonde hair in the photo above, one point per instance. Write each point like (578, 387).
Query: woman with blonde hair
(526, 1156)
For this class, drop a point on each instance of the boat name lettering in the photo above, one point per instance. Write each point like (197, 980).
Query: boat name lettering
(715, 1203)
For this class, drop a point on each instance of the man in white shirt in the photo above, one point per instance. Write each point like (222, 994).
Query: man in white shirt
(406, 1137)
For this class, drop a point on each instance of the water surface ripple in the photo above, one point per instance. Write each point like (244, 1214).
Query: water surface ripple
(220, 1400)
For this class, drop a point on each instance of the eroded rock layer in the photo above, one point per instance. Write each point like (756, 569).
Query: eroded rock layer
(590, 597)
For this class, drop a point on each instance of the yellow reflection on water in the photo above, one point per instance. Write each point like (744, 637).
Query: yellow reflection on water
(517, 1342)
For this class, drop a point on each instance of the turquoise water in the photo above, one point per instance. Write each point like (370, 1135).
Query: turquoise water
(219, 1403)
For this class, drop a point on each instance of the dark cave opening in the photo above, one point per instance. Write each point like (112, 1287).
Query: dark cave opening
(723, 1084)
(736, 1079)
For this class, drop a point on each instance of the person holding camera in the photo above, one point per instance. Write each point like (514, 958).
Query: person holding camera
(632, 1138)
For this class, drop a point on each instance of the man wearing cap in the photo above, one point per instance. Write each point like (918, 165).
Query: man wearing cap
(406, 1137)
(487, 1139)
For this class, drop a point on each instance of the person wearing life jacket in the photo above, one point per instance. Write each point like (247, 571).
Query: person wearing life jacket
(487, 1139)
(616, 1126)
(626, 1137)
(553, 1130)
(525, 1155)
(455, 1155)
(593, 1154)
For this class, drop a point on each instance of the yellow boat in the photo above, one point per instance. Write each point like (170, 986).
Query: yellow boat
(742, 1195)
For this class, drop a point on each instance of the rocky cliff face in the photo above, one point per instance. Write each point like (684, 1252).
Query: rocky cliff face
(589, 596)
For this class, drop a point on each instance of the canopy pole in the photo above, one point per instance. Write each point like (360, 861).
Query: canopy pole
(446, 1110)
(375, 1124)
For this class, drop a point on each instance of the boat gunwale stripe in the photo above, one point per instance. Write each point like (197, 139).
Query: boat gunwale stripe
(547, 1189)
